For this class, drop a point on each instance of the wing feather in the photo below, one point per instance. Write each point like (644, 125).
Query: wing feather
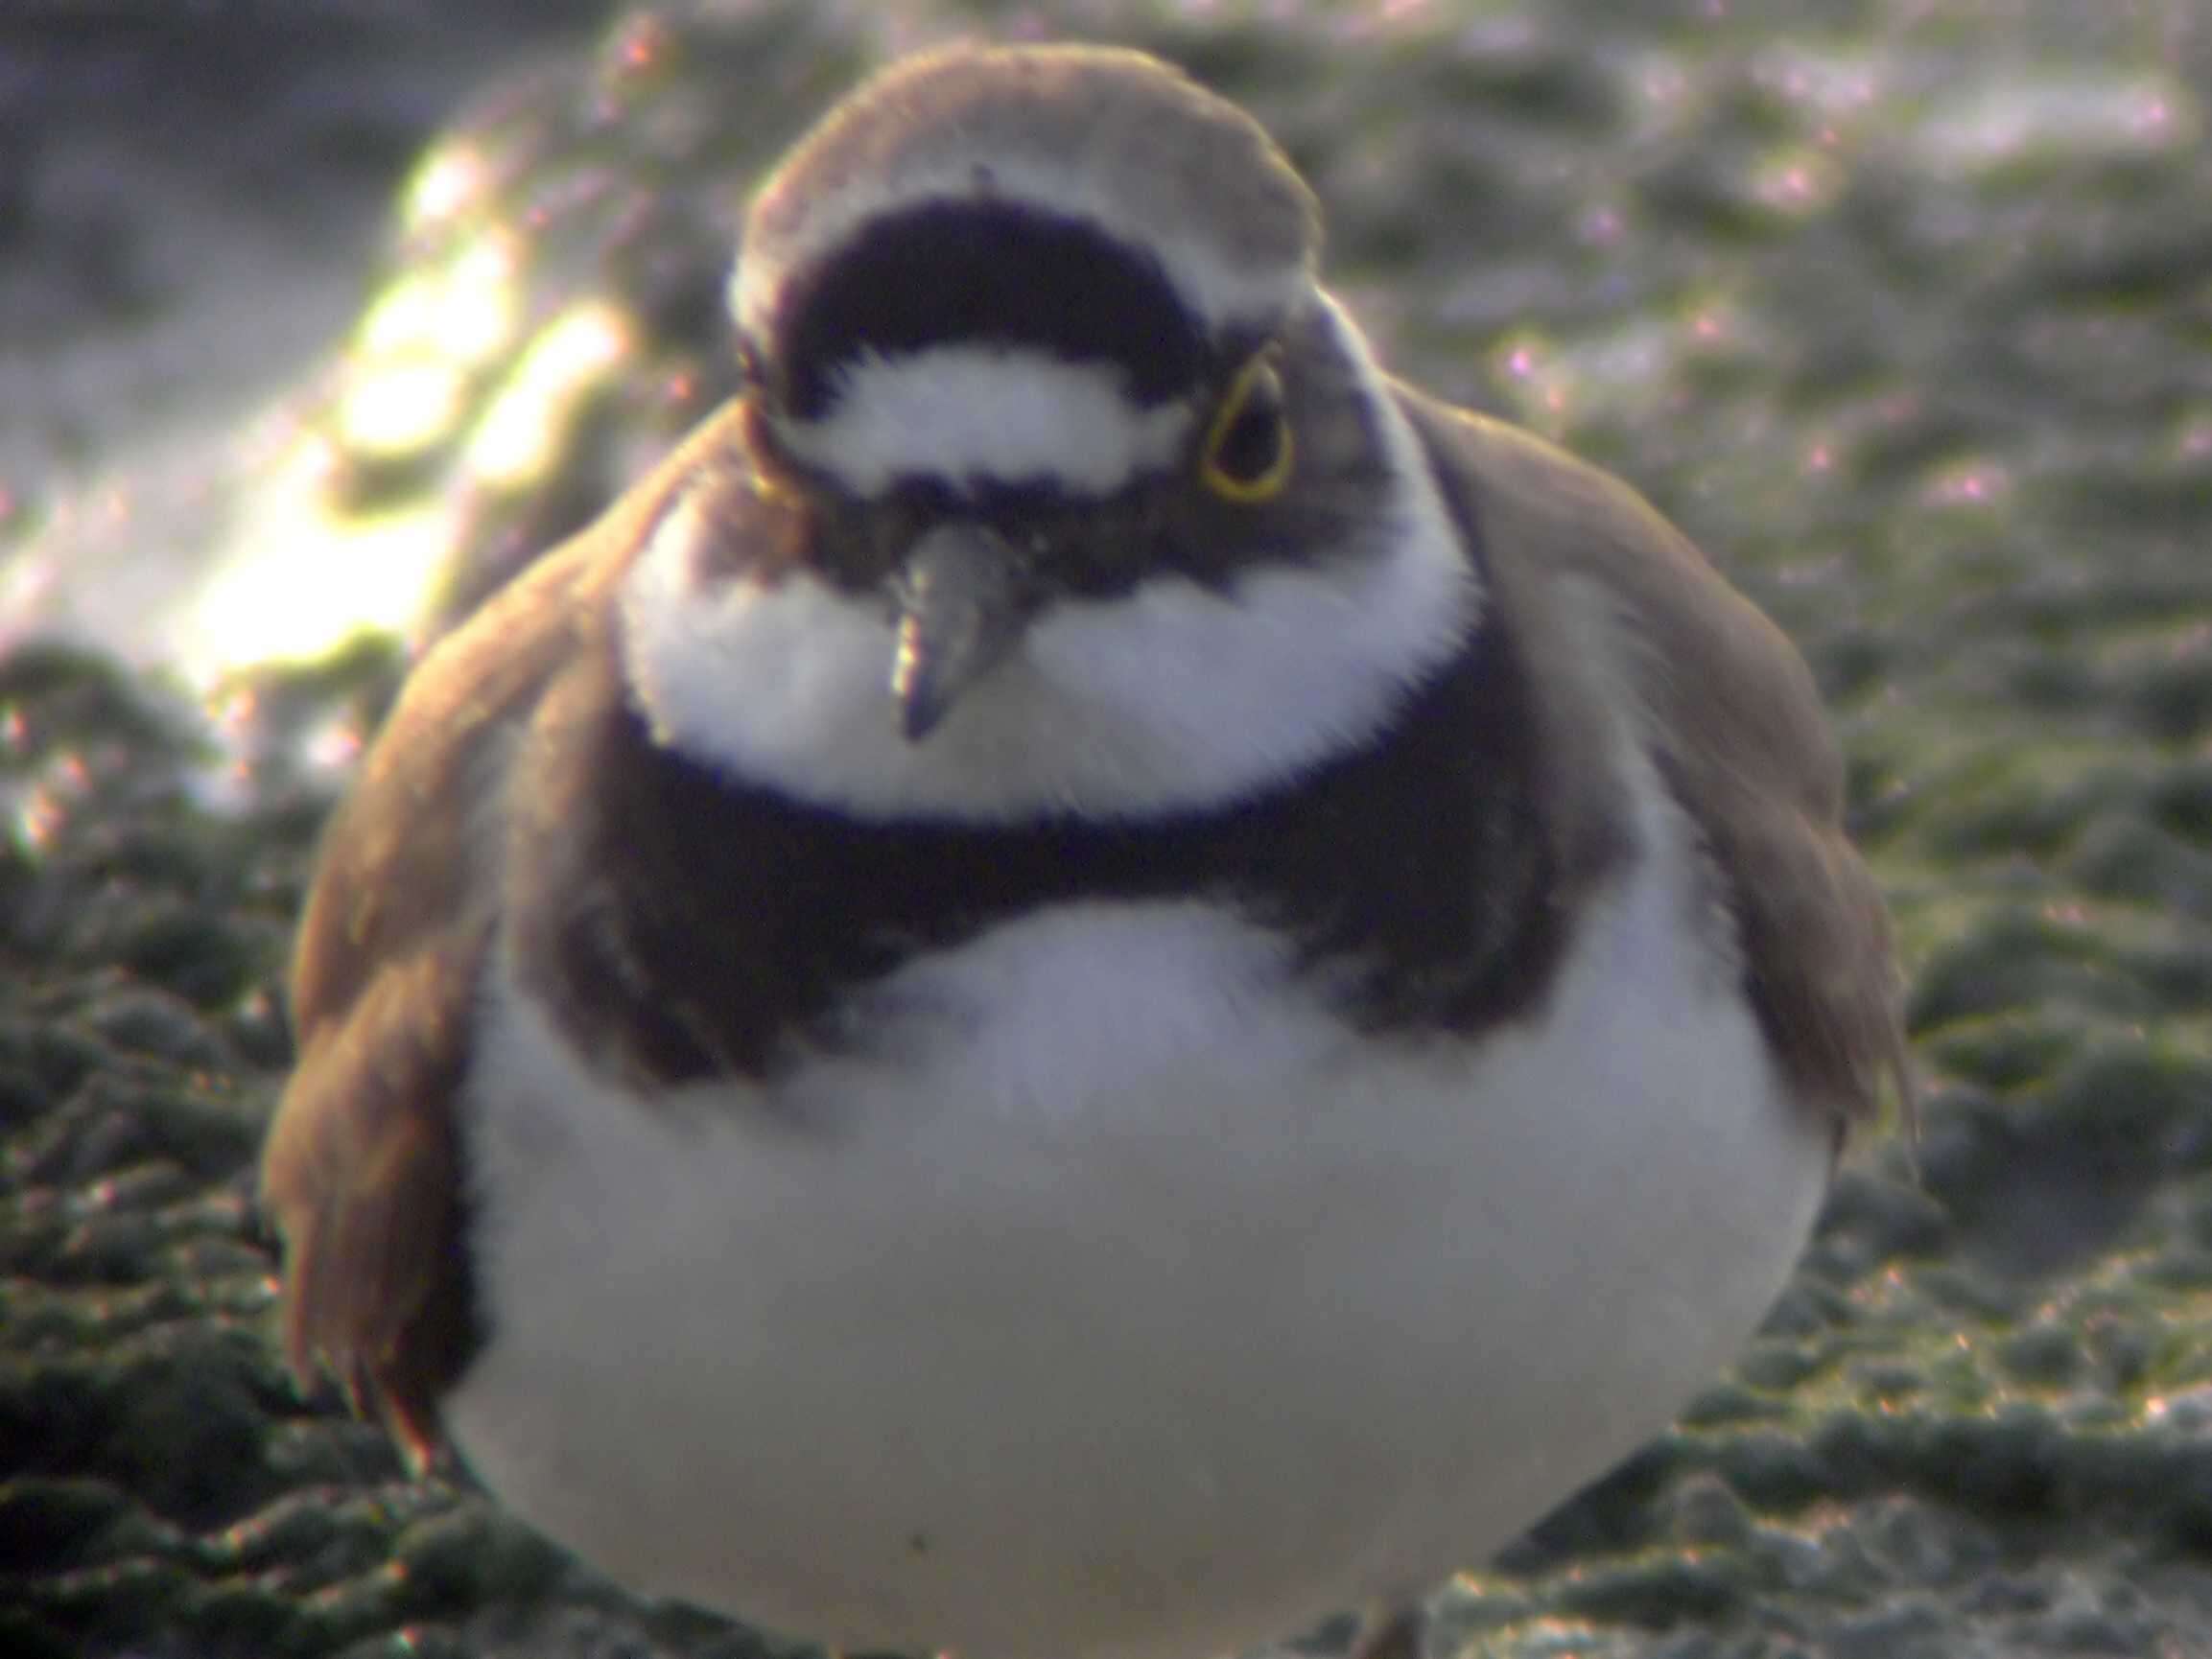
(363, 1170)
(1741, 738)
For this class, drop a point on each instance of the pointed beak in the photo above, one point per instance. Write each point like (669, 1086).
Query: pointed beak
(963, 605)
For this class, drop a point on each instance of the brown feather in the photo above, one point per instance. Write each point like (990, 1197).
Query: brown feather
(1741, 736)
(363, 1170)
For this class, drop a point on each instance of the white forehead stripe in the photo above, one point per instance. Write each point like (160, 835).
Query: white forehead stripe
(1218, 289)
(967, 411)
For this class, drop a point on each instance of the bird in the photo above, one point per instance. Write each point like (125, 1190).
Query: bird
(1094, 981)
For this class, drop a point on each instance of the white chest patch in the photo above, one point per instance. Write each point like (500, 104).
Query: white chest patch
(1123, 1304)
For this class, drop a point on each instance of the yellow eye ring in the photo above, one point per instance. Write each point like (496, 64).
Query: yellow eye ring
(766, 483)
(770, 489)
(1248, 451)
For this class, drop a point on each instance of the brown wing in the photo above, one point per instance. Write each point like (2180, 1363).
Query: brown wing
(362, 1170)
(1743, 743)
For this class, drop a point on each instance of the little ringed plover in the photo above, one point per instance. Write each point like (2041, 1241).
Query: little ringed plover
(1093, 981)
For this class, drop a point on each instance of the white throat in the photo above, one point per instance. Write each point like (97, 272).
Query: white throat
(1167, 698)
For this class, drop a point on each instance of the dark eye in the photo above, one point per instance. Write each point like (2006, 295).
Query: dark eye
(1248, 450)
(750, 371)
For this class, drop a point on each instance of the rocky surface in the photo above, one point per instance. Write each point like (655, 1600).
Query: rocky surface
(1901, 311)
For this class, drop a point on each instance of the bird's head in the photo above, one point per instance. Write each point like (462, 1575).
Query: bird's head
(1089, 486)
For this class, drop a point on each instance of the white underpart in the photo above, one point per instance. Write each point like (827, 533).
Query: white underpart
(1217, 287)
(1124, 1305)
(962, 411)
(1164, 698)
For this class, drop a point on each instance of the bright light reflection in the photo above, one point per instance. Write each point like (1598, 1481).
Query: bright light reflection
(466, 309)
(517, 440)
(305, 582)
(479, 311)
(449, 181)
(403, 406)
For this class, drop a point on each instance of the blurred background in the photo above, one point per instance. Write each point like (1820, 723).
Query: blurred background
(316, 320)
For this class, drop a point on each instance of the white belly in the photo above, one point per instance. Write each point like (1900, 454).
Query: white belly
(1126, 1306)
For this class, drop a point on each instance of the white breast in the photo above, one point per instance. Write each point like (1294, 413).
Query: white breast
(1123, 1303)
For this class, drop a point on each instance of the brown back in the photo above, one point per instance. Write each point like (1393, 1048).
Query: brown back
(362, 1171)
(1740, 738)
